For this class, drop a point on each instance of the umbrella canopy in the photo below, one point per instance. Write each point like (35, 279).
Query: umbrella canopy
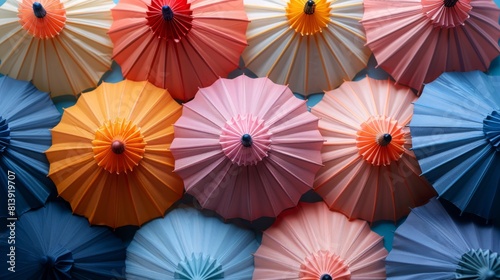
(60, 45)
(369, 169)
(312, 242)
(455, 138)
(110, 154)
(311, 46)
(247, 148)
(187, 245)
(431, 244)
(417, 40)
(51, 243)
(26, 117)
(178, 44)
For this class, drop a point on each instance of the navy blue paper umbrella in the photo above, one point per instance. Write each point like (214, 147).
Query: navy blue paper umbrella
(26, 117)
(431, 244)
(188, 245)
(456, 138)
(52, 243)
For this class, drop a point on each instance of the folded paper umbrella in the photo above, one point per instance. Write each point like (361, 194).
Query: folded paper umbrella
(312, 242)
(110, 154)
(431, 244)
(26, 117)
(187, 245)
(455, 131)
(51, 243)
(369, 171)
(60, 45)
(311, 46)
(178, 44)
(247, 148)
(417, 40)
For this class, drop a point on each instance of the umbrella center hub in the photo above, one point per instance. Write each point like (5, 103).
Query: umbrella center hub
(245, 140)
(206, 268)
(324, 265)
(446, 13)
(118, 146)
(479, 264)
(380, 140)
(308, 17)
(58, 263)
(4, 134)
(41, 19)
(169, 19)
(491, 129)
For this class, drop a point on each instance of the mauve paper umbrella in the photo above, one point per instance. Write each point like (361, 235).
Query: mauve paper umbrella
(417, 40)
(369, 169)
(431, 244)
(455, 132)
(26, 117)
(52, 243)
(60, 45)
(178, 44)
(310, 242)
(188, 245)
(110, 156)
(311, 46)
(247, 148)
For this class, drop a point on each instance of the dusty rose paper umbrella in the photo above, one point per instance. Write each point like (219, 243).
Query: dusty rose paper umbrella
(246, 148)
(369, 171)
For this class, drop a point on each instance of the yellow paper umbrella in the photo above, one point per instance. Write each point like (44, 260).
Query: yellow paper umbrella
(110, 155)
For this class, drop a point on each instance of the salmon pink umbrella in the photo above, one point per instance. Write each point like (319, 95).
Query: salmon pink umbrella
(310, 242)
(247, 148)
(178, 44)
(369, 169)
(417, 40)
(110, 155)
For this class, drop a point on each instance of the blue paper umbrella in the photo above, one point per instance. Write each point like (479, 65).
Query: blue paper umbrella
(431, 244)
(188, 245)
(26, 117)
(456, 138)
(52, 243)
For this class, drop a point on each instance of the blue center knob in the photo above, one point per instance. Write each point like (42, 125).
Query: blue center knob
(167, 12)
(38, 10)
(326, 277)
(246, 140)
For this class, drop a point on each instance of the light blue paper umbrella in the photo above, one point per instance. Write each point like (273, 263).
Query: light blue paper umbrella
(456, 138)
(185, 244)
(52, 243)
(431, 244)
(26, 117)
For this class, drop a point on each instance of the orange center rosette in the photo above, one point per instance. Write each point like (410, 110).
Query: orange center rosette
(170, 19)
(42, 19)
(324, 265)
(380, 140)
(118, 146)
(308, 17)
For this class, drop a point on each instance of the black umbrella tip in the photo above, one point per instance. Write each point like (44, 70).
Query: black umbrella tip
(246, 140)
(309, 7)
(118, 147)
(39, 10)
(326, 277)
(167, 12)
(384, 139)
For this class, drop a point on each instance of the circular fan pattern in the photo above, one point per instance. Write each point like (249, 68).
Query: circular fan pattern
(169, 19)
(200, 267)
(447, 13)
(4, 134)
(479, 264)
(310, 17)
(491, 128)
(324, 265)
(42, 18)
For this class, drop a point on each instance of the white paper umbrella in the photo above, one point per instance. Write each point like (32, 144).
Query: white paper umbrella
(311, 46)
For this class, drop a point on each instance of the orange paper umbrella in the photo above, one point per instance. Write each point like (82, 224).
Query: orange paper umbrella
(110, 154)
(369, 170)
(311, 242)
(60, 45)
(178, 44)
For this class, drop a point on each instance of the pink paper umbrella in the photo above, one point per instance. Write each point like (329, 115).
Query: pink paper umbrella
(417, 40)
(247, 148)
(310, 242)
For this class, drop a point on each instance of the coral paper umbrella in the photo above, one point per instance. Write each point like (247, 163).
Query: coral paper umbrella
(178, 44)
(417, 40)
(247, 148)
(431, 244)
(455, 131)
(26, 117)
(312, 242)
(51, 243)
(187, 245)
(311, 46)
(60, 45)
(110, 154)
(369, 171)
